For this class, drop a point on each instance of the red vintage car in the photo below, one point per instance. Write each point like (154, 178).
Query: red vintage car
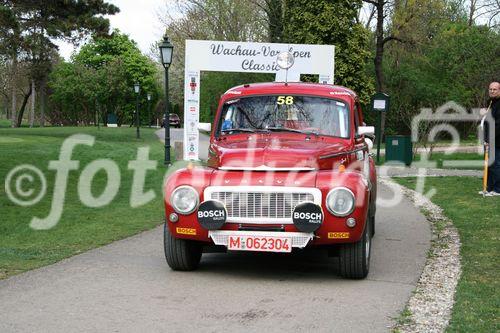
(289, 168)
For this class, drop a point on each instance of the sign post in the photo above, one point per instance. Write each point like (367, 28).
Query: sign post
(380, 103)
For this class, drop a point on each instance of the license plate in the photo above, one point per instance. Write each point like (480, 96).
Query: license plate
(260, 243)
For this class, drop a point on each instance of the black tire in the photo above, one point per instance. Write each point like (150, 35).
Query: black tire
(372, 225)
(181, 254)
(354, 258)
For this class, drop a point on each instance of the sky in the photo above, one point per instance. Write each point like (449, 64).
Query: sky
(137, 18)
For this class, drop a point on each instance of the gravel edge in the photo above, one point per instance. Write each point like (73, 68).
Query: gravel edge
(429, 308)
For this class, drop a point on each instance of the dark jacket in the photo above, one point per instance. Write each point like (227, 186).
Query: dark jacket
(495, 112)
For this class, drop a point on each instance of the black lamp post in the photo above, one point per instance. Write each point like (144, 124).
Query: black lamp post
(136, 89)
(166, 50)
(149, 110)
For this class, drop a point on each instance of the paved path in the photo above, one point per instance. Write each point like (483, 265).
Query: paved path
(127, 287)
(442, 149)
(399, 171)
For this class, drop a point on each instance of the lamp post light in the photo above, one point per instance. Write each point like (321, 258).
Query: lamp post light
(137, 88)
(166, 50)
(149, 110)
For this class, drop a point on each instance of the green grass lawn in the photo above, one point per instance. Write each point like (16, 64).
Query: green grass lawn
(441, 159)
(80, 228)
(4, 123)
(478, 222)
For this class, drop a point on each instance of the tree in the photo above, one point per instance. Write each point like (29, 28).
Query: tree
(273, 10)
(233, 20)
(485, 11)
(454, 62)
(27, 29)
(333, 22)
(74, 90)
(101, 76)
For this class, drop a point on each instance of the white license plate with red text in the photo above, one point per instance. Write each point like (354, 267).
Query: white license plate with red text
(260, 243)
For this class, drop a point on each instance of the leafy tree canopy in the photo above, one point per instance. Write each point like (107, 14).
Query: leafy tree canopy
(28, 24)
(103, 51)
(333, 22)
(103, 73)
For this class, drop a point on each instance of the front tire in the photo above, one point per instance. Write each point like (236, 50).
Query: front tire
(181, 254)
(372, 225)
(354, 258)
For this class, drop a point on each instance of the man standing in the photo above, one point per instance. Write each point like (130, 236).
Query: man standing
(494, 170)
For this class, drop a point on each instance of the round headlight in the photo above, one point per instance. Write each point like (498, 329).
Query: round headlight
(184, 199)
(340, 201)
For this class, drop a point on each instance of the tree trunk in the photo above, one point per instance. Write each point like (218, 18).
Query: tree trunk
(33, 96)
(370, 18)
(42, 101)
(104, 116)
(14, 90)
(472, 11)
(23, 107)
(379, 51)
(379, 58)
(274, 11)
(6, 108)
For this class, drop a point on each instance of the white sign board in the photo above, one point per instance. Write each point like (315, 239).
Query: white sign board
(379, 104)
(244, 57)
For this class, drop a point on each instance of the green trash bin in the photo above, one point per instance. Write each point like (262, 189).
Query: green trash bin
(399, 148)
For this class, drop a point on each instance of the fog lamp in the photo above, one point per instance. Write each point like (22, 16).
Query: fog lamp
(173, 217)
(351, 222)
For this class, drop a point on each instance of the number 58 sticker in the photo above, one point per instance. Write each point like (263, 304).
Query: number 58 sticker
(288, 100)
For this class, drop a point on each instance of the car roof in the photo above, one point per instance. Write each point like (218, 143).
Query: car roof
(306, 88)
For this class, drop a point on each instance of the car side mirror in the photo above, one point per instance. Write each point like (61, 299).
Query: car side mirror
(206, 127)
(366, 130)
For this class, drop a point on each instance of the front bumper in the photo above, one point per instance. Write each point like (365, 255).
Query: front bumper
(332, 231)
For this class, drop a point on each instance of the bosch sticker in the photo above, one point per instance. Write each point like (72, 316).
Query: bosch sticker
(338, 235)
(307, 217)
(186, 231)
(211, 215)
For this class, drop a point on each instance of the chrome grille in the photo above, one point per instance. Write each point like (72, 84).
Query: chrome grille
(254, 206)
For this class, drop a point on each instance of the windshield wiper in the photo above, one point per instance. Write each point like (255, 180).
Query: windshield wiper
(286, 129)
(249, 130)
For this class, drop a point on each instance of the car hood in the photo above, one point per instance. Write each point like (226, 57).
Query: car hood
(251, 153)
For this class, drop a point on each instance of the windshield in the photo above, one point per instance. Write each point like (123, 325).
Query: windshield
(290, 113)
